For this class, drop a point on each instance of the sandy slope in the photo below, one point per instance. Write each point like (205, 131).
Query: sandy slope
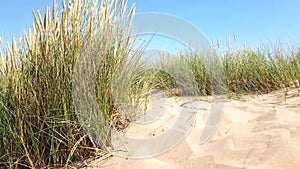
(262, 133)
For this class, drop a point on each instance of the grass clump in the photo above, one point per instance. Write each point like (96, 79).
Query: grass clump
(237, 72)
(38, 124)
(261, 70)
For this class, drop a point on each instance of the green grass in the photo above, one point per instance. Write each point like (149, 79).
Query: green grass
(243, 71)
(39, 126)
(261, 70)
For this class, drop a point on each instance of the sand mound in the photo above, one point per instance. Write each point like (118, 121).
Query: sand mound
(262, 132)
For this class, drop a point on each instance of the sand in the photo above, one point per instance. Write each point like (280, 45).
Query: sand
(256, 132)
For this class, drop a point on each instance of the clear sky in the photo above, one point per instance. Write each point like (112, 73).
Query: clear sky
(16, 16)
(254, 22)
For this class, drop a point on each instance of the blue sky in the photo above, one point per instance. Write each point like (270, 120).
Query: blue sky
(254, 22)
(16, 16)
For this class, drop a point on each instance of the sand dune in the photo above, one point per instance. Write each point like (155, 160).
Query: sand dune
(262, 132)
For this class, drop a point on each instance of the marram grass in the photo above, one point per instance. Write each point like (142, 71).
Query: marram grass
(38, 123)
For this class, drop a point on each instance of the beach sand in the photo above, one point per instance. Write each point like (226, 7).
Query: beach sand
(256, 132)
